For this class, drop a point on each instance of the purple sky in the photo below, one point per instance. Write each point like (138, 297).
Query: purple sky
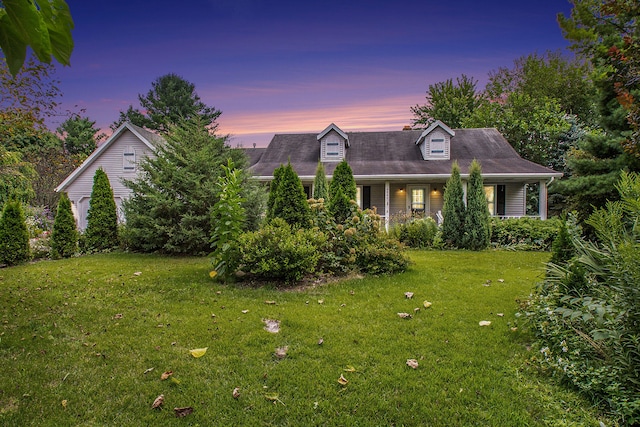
(296, 66)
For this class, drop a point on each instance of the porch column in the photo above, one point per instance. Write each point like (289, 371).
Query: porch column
(542, 204)
(386, 205)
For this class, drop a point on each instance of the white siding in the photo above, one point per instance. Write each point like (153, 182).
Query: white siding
(111, 161)
(436, 200)
(338, 147)
(515, 200)
(426, 146)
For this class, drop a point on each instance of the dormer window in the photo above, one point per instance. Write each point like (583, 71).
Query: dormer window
(333, 144)
(129, 159)
(435, 141)
(437, 144)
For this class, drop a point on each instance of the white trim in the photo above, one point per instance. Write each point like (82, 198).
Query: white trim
(434, 125)
(339, 131)
(98, 151)
(435, 177)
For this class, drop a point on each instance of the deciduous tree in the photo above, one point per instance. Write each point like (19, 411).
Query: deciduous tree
(448, 102)
(44, 25)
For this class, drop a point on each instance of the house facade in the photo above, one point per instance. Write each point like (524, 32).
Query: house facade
(118, 157)
(404, 172)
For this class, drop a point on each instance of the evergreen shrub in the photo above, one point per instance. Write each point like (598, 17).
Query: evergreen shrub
(14, 237)
(102, 218)
(64, 238)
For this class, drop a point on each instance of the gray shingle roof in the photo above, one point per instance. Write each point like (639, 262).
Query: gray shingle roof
(378, 154)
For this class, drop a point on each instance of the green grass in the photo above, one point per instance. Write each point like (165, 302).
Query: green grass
(60, 339)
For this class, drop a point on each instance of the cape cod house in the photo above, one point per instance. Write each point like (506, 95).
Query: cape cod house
(404, 172)
(118, 156)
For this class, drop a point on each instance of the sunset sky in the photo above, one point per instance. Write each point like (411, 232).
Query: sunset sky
(296, 66)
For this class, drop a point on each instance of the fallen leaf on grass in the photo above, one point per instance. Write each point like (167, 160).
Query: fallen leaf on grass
(272, 326)
(320, 341)
(198, 352)
(165, 375)
(404, 315)
(236, 393)
(270, 302)
(137, 273)
(413, 363)
(417, 309)
(245, 311)
(118, 316)
(183, 412)
(426, 304)
(64, 403)
(342, 380)
(146, 371)
(320, 301)
(501, 280)
(500, 314)
(281, 352)
(408, 295)
(213, 274)
(158, 402)
(484, 323)
(273, 397)
(349, 368)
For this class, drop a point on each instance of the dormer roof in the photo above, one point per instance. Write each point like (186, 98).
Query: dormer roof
(432, 127)
(335, 128)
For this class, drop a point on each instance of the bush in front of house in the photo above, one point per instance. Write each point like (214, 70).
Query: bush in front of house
(419, 233)
(279, 252)
(64, 238)
(524, 233)
(477, 229)
(288, 199)
(14, 237)
(453, 210)
(102, 219)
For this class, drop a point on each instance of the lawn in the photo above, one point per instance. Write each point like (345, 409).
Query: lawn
(84, 341)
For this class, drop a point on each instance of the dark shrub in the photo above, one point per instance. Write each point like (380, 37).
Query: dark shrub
(524, 233)
(14, 237)
(64, 238)
(102, 219)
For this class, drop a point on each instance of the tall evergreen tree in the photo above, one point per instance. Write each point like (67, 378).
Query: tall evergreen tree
(343, 178)
(273, 191)
(290, 200)
(342, 190)
(80, 136)
(170, 206)
(171, 101)
(102, 218)
(64, 238)
(477, 227)
(14, 236)
(453, 210)
(320, 184)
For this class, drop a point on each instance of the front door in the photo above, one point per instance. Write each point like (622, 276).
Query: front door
(417, 201)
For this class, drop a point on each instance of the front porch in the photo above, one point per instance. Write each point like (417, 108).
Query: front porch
(402, 199)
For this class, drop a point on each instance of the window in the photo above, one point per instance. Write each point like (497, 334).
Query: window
(129, 159)
(363, 196)
(437, 143)
(417, 201)
(490, 194)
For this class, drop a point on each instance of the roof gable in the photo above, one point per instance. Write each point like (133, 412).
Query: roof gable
(335, 128)
(149, 139)
(434, 125)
